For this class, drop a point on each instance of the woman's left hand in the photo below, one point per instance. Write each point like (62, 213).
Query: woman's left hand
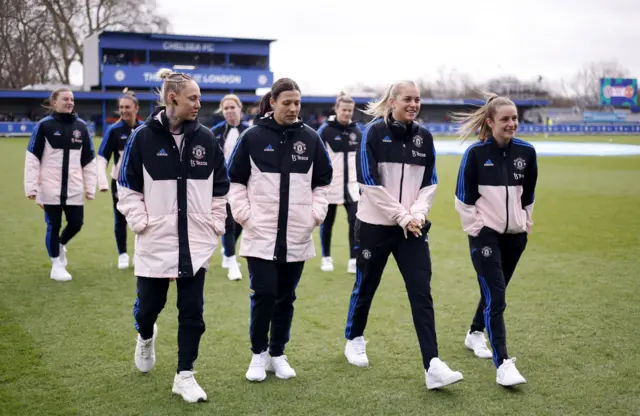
(415, 228)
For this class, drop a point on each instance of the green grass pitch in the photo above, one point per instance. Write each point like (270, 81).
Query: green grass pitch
(572, 315)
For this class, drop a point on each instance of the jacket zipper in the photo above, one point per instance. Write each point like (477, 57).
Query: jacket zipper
(404, 145)
(506, 187)
(276, 251)
(345, 167)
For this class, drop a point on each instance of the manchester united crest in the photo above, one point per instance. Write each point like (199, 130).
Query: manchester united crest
(299, 147)
(198, 152)
(77, 134)
(519, 163)
(417, 141)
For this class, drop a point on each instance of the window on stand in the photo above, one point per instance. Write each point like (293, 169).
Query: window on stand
(247, 61)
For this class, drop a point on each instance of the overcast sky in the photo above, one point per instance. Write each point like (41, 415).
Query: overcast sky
(326, 45)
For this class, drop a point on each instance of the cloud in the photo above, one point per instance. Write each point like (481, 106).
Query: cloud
(326, 45)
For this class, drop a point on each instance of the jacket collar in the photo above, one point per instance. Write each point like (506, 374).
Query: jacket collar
(66, 118)
(158, 121)
(494, 143)
(269, 122)
(333, 122)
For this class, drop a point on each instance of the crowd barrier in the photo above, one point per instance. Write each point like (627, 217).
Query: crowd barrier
(25, 128)
(445, 129)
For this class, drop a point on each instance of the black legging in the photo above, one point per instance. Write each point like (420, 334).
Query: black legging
(327, 227)
(119, 221)
(231, 235)
(53, 218)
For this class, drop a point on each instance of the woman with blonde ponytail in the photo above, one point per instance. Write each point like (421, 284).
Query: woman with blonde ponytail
(494, 197)
(396, 167)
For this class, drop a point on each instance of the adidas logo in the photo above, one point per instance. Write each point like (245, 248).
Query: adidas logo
(57, 133)
(162, 152)
(269, 148)
(124, 137)
(386, 140)
(488, 163)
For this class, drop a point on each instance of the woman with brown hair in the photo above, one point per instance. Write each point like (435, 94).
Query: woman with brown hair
(59, 174)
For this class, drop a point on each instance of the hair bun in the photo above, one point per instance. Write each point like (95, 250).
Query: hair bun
(164, 73)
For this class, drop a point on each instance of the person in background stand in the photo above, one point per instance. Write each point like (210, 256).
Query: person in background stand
(226, 133)
(113, 143)
(342, 137)
(59, 174)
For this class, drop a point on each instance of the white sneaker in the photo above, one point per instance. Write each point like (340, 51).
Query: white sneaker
(257, 368)
(123, 261)
(63, 255)
(508, 375)
(58, 271)
(145, 356)
(356, 352)
(234, 272)
(327, 264)
(280, 366)
(351, 267)
(440, 375)
(185, 385)
(476, 342)
(229, 261)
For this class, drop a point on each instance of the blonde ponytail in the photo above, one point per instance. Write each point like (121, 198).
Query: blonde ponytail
(476, 121)
(48, 103)
(382, 108)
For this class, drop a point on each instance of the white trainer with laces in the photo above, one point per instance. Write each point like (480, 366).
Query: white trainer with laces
(440, 375)
(356, 352)
(351, 267)
(63, 255)
(257, 368)
(58, 271)
(185, 384)
(145, 356)
(508, 375)
(476, 342)
(327, 264)
(123, 261)
(280, 366)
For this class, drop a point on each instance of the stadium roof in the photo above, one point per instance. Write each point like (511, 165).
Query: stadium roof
(149, 96)
(182, 38)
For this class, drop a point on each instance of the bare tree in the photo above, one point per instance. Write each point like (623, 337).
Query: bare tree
(449, 84)
(24, 58)
(584, 86)
(70, 21)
